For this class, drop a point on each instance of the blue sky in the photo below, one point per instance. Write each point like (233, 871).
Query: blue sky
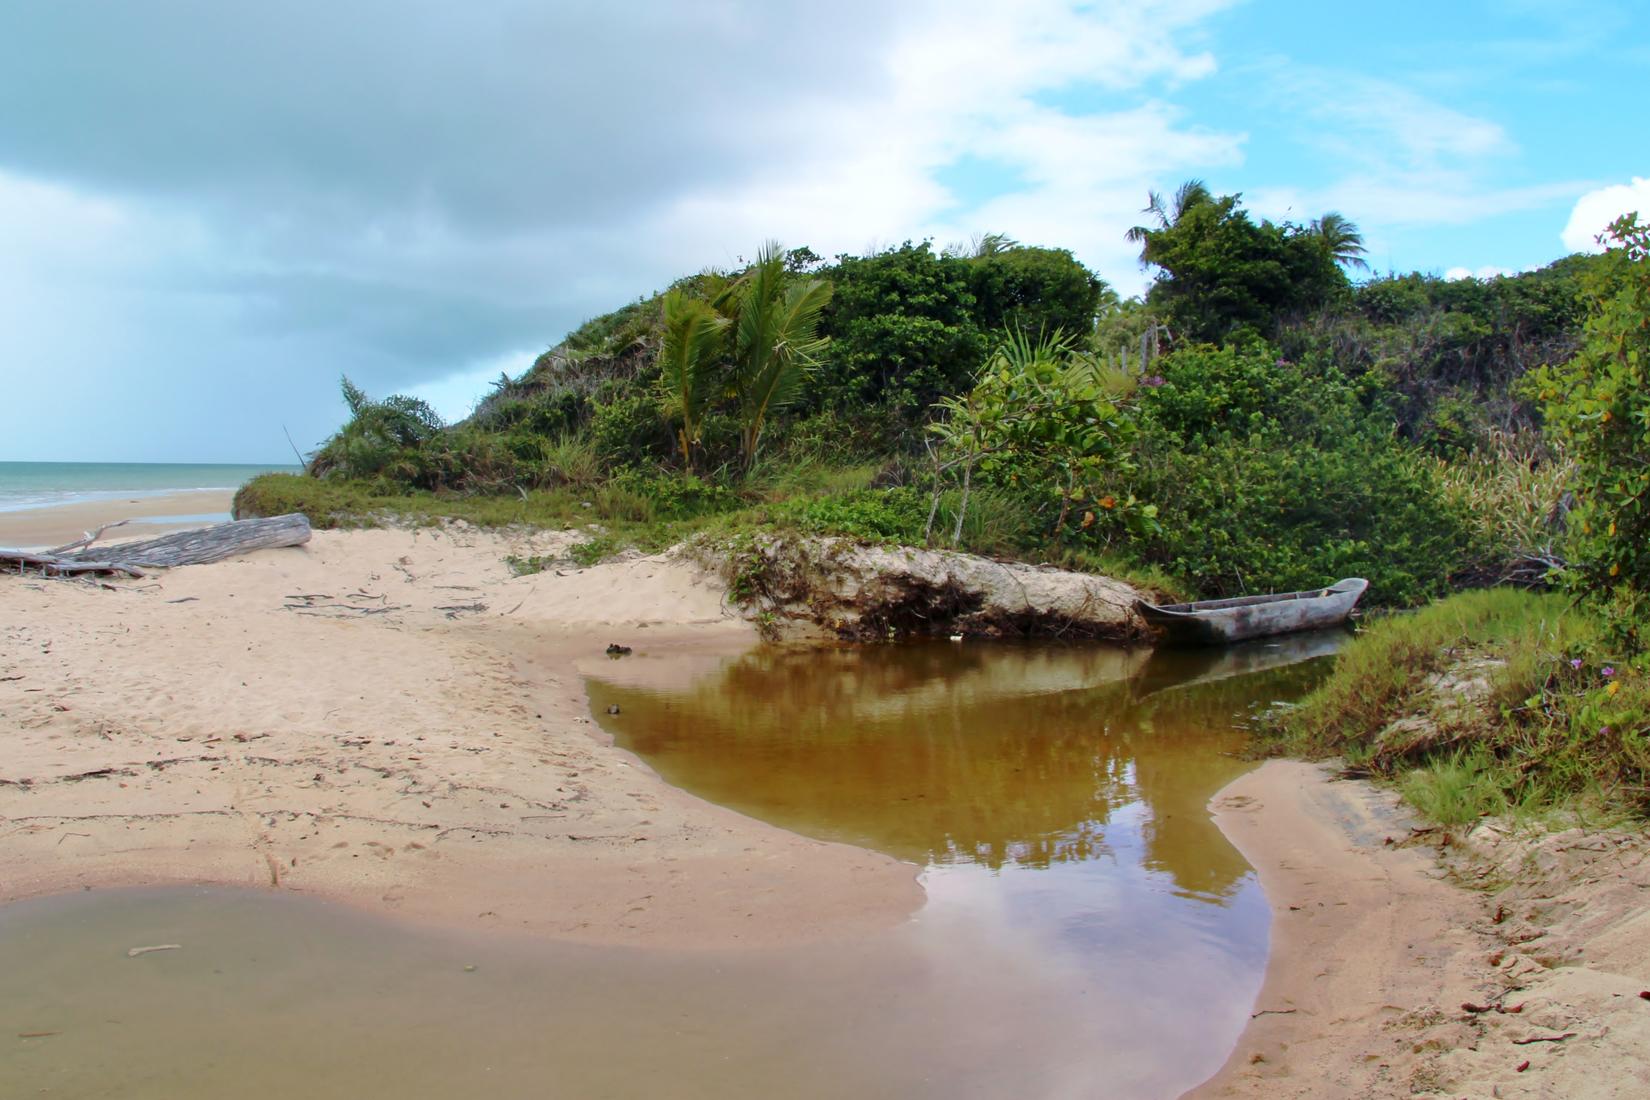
(209, 212)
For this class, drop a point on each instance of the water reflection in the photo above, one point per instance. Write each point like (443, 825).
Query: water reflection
(1087, 932)
(982, 754)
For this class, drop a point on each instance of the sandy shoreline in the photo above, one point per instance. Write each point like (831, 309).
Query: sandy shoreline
(57, 524)
(392, 720)
(1387, 978)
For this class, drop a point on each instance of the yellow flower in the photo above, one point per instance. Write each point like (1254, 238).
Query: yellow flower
(1615, 569)
(1612, 528)
(1108, 502)
(1612, 688)
(1605, 419)
(1088, 520)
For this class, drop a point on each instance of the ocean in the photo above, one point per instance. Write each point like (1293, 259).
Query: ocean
(42, 484)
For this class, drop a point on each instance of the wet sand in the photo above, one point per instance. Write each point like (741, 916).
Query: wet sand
(62, 523)
(1387, 977)
(390, 718)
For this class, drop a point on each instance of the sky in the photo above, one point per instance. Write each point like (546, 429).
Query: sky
(210, 211)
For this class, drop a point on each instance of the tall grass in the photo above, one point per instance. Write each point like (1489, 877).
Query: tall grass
(1553, 721)
(1513, 489)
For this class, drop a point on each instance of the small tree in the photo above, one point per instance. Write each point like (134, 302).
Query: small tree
(1598, 405)
(775, 342)
(1042, 416)
(689, 355)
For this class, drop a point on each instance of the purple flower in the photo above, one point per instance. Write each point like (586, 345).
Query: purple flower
(1575, 662)
(1604, 731)
(1153, 382)
(1608, 671)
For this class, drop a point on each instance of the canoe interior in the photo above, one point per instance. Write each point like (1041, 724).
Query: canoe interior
(1252, 601)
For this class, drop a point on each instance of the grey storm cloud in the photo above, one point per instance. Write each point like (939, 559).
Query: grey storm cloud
(391, 189)
(498, 116)
(209, 210)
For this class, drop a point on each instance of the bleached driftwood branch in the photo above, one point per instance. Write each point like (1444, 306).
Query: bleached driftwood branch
(197, 547)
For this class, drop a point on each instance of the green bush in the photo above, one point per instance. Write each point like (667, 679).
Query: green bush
(1262, 514)
(1598, 404)
(629, 431)
(1269, 476)
(670, 495)
(876, 515)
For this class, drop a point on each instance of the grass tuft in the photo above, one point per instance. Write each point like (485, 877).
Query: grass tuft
(1485, 702)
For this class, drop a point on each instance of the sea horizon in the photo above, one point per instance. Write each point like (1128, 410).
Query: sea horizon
(25, 485)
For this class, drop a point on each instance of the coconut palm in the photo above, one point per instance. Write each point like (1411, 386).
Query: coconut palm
(689, 355)
(775, 341)
(1167, 214)
(1342, 238)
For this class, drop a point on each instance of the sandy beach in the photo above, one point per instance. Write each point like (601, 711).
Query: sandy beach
(28, 528)
(390, 718)
(393, 720)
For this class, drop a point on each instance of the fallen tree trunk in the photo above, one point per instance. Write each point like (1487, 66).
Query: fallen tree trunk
(59, 567)
(197, 547)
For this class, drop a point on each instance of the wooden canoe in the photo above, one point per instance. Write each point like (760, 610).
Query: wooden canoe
(1218, 622)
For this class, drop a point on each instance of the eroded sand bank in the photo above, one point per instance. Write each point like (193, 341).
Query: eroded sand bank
(1387, 977)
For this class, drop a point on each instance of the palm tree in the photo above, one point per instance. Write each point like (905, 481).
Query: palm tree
(1187, 195)
(1341, 238)
(688, 357)
(775, 341)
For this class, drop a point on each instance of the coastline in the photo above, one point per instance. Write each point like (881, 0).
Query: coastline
(392, 720)
(56, 524)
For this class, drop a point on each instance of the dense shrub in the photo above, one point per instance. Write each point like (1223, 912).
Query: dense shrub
(629, 431)
(1269, 477)
(1599, 405)
(903, 331)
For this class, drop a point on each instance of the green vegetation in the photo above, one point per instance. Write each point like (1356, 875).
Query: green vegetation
(1598, 406)
(1255, 421)
(1487, 702)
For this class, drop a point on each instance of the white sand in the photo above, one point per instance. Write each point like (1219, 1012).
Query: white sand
(344, 720)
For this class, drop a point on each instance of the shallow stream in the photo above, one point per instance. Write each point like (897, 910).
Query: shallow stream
(1088, 931)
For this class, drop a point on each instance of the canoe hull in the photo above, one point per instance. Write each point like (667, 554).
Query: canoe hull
(1220, 622)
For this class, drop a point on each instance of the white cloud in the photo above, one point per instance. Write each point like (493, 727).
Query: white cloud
(1489, 271)
(1597, 209)
(227, 203)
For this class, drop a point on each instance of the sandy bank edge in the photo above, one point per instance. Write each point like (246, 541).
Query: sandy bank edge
(341, 720)
(1377, 952)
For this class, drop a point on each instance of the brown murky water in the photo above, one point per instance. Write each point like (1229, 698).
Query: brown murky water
(1088, 931)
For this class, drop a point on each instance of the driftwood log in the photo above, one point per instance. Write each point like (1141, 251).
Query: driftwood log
(197, 547)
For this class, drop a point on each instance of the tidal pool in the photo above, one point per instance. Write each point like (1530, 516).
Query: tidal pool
(1088, 931)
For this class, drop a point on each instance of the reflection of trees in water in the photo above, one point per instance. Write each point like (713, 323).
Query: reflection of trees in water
(938, 753)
